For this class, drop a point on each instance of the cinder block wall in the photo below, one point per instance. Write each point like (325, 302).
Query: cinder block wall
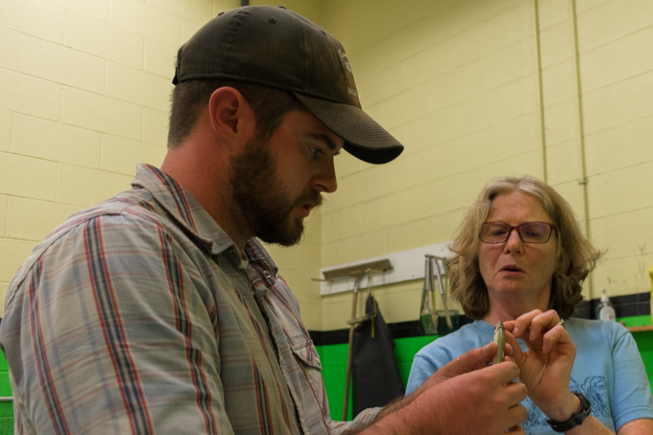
(475, 89)
(84, 97)
(84, 91)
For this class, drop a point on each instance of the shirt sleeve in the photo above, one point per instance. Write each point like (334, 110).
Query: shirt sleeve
(438, 353)
(122, 336)
(363, 420)
(422, 368)
(632, 391)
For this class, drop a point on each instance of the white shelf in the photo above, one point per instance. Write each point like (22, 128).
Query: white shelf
(406, 266)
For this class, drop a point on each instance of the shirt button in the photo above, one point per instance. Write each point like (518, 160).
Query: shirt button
(267, 274)
(231, 251)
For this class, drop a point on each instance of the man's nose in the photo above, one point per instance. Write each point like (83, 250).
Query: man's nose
(325, 180)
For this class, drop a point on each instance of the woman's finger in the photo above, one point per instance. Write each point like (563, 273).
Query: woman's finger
(523, 323)
(542, 322)
(558, 334)
(509, 325)
(530, 325)
(509, 349)
(516, 352)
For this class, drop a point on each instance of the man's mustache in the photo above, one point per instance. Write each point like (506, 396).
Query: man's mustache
(312, 196)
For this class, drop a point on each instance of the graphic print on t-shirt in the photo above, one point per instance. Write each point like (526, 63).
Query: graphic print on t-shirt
(593, 388)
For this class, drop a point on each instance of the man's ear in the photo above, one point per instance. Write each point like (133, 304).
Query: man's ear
(232, 118)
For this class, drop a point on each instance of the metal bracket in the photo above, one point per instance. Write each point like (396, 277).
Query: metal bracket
(378, 266)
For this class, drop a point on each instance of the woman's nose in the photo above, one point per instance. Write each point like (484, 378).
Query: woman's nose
(514, 242)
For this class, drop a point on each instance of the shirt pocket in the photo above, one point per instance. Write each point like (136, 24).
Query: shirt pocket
(308, 361)
(305, 352)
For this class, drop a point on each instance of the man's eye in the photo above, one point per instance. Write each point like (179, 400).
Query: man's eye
(316, 150)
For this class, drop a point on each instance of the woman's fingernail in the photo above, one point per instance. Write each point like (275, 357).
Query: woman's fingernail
(515, 331)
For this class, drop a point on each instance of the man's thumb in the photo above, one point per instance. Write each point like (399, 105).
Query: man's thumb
(472, 360)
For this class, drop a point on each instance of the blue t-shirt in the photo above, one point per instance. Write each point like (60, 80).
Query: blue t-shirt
(608, 370)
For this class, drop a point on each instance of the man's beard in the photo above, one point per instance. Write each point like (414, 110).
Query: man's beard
(264, 202)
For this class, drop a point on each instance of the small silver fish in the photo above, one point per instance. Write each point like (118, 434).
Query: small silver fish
(500, 341)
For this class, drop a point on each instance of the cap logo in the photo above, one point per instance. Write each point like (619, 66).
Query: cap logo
(343, 56)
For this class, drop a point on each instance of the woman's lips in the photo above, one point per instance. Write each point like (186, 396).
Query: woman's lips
(511, 269)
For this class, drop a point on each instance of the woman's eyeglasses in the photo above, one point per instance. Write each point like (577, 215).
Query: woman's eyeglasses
(529, 232)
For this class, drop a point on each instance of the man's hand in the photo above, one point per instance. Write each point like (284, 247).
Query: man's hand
(474, 359)
(463, 397)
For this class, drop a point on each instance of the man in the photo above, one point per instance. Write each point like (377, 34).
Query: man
(158, 311)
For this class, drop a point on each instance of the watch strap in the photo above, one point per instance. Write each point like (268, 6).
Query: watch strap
(576, 419)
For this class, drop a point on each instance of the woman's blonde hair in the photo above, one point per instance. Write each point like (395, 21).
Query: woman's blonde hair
(576, 257)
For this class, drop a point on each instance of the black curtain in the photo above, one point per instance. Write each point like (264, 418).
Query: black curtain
(376, 379)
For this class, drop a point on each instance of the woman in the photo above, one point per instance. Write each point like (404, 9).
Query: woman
(521, 258)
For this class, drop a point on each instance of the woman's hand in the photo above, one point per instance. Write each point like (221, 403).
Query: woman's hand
(545, 368)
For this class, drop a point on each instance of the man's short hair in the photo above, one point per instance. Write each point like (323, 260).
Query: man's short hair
(189, 99)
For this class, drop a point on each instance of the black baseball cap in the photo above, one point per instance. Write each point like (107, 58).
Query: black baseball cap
(276, 47)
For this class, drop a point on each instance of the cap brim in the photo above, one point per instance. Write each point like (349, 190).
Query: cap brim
(364, 138)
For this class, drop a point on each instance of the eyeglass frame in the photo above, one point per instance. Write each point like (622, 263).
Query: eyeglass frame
(516, 227)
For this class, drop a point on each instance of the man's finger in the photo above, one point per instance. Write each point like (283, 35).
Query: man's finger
(517, 392)
(515, 416)
(505, 373)
(516, 430)
(471, 360)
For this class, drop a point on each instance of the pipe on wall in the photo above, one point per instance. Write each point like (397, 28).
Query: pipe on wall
(580, 132)
(582, 170)
(579, 111)
(540, 92)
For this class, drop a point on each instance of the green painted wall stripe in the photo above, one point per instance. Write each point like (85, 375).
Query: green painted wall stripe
(334, 360)
(334, 366)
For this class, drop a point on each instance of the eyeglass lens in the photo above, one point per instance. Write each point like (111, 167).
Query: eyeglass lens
(530, 232)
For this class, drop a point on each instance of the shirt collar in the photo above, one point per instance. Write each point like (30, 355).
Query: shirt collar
(189, 214)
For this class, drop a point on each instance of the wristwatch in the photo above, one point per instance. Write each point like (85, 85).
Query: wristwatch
(576, 419)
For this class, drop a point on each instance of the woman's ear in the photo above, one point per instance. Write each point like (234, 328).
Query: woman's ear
(560, 259)
(232, 118)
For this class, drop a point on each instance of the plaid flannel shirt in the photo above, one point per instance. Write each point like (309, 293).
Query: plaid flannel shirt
(139, 315)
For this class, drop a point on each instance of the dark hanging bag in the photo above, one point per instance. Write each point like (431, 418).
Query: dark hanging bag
(376, 379)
